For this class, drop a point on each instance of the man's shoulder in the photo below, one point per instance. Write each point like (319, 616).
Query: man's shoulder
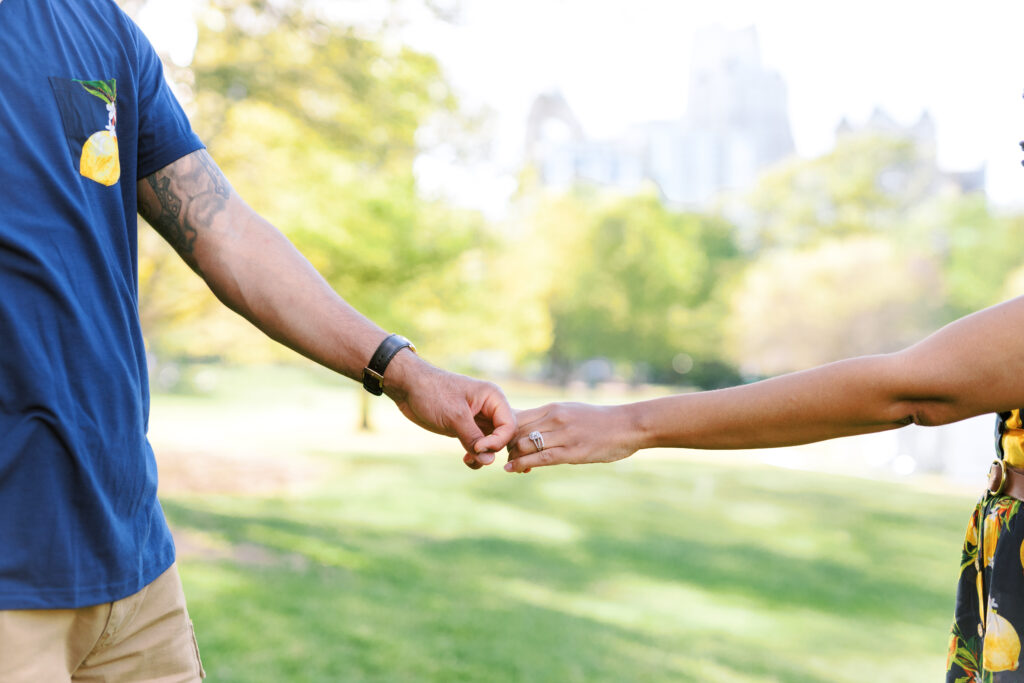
(105, 12)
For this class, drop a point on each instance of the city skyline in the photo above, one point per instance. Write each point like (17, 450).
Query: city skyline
(618, 64)
(621, 63)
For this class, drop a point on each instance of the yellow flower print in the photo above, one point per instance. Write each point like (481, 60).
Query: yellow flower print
(1001, 650)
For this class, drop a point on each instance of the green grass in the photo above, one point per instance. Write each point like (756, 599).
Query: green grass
(399, 566)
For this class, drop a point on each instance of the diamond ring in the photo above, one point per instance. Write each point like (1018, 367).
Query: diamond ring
(538, 440)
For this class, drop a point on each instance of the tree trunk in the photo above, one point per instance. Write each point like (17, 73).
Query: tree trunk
(364, 412)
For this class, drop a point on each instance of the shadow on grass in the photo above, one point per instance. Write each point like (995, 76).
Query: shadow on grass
(391, 605)
(426, 613)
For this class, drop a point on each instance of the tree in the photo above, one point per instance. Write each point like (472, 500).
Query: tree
(316, 124)
(865, 249)
(979, 250)
(843, 297)
(866, 185)
(637, 283)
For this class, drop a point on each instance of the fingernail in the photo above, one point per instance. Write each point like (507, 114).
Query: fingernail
(508, 467)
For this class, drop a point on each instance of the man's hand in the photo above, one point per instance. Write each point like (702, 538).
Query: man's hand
(475, 412)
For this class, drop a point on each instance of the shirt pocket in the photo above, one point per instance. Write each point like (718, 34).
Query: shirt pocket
(88, 111)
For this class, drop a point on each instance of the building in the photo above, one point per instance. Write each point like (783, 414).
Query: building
(737, 124)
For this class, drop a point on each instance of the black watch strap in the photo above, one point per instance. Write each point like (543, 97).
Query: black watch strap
(373, 373)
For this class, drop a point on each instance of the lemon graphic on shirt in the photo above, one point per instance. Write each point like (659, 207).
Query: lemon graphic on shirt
(100, 159)
(972, 530)
(1002, 645)
(993, 528)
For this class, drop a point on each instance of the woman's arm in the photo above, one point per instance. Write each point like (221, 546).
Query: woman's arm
(970, 367)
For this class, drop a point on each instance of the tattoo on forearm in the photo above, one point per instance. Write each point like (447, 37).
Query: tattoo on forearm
(191, 193)
(168, 221)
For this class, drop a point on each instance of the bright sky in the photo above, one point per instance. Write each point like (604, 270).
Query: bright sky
(626, 61)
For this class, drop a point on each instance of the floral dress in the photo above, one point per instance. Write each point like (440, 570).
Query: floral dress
(984, 646)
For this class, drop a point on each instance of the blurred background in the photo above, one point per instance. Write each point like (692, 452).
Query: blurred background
(597, 201)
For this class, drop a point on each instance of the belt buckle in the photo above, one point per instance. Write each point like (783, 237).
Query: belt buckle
(992, 474)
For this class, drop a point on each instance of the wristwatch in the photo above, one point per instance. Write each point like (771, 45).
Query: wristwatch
(373, 373)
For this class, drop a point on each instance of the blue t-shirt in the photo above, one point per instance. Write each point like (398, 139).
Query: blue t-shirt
(84, 112)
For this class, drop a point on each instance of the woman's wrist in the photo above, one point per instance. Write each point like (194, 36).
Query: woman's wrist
(638, 429)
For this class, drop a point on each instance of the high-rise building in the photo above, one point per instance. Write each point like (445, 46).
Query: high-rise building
(737, 123)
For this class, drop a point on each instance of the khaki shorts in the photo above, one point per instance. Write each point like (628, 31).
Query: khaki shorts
(144, 637)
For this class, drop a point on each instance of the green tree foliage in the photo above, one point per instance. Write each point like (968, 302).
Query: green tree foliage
(840, 298)
(635, 282)
(315, 123)
(866, 185)
(862, 250)
(980, 250)
(361, 96)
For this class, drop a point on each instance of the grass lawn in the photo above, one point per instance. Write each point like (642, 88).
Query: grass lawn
(352, 558)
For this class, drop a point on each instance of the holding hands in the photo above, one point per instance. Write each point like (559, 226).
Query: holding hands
(475, 412)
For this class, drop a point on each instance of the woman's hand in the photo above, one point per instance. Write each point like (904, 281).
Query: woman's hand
(573, 433)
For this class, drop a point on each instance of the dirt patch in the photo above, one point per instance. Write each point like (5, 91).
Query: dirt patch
(191, 544)
(237, 474)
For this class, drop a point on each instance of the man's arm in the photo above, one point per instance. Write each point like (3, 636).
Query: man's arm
(254, 270)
